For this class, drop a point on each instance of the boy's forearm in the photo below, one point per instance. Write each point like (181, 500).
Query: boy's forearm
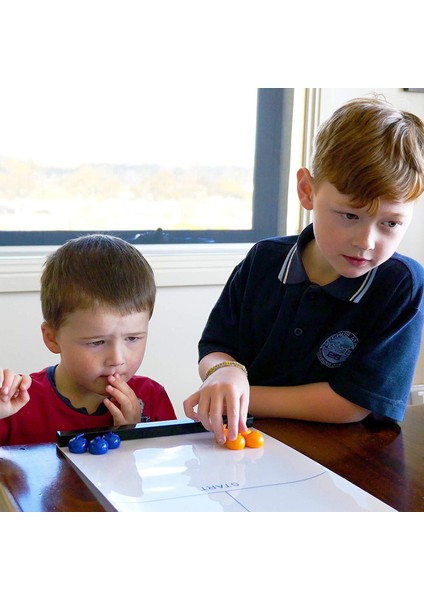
(311, 402)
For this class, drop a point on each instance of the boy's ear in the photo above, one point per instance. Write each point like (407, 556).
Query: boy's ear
(49, 337)
(305, 188)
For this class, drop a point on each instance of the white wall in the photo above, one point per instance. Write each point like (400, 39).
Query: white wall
(175, 329)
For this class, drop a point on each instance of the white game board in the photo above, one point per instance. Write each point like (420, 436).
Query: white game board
(193, 473)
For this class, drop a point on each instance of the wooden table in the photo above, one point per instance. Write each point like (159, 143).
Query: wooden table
(384, 459)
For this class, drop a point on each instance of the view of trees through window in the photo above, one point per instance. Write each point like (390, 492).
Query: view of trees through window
(184, 165)
(124, 196)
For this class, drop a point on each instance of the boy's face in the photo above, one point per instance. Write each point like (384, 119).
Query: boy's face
(350, 241)
(95, 344)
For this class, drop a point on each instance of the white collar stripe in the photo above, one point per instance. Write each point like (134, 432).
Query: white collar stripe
(283, 274)
(357, 296)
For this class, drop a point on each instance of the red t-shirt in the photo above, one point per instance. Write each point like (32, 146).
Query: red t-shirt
(48, 411)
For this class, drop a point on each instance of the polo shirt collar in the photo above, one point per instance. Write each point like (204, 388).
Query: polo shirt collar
(343, 288)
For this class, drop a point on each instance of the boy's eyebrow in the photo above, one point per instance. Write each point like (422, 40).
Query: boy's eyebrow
(390, 213)
(387, 212)
(103, 335)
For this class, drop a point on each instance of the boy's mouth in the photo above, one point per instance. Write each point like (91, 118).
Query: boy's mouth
(105, 376)
(355, 261)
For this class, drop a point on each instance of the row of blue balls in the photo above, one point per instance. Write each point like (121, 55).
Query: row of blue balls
(99, 445)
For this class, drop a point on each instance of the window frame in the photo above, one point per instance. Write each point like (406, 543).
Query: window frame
(270, 183)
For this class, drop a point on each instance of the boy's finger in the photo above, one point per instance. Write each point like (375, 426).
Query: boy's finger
(7, 381)
(244, 409)
(189, 405)
(114, 410)
(232, 423)
(117, 382)
(25, 383)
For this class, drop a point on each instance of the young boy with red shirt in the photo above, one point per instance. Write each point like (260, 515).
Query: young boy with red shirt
(97, 297)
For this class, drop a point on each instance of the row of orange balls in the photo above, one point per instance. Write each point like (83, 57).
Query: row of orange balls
(252, 438)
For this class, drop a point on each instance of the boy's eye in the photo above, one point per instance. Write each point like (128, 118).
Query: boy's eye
(391, 224)
(350, 216)
(96, 343)
(132, 338)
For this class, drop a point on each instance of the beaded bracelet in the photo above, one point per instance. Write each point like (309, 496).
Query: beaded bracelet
(225, 363)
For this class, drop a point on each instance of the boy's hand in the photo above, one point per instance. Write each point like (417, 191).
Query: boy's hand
(13, 392)
(225, 392)
(124, 406)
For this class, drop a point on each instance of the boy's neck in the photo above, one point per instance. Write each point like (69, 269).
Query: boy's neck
(317, 268)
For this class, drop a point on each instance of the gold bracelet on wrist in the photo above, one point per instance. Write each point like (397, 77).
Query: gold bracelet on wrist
(225, 363)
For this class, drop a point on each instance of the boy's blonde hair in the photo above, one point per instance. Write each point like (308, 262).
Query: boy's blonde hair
(96, 270)
(370, 150)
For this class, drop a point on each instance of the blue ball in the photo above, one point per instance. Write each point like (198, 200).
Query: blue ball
(112, 439)
(98, 446)
(78, 444)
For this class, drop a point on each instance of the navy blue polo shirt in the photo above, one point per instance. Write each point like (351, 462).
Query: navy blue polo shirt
(361, 335)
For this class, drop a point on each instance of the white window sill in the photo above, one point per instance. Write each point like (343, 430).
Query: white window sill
(173, 265)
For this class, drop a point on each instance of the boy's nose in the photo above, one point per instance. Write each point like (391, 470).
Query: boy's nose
(364, 240)
(116, 356)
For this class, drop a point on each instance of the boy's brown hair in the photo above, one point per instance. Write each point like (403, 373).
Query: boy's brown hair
(96, 270)
(370, 150)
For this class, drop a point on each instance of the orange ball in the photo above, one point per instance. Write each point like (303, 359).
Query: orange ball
(254, 439)
(237, 444)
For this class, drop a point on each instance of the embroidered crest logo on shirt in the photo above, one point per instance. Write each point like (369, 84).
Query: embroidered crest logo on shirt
(337, 348)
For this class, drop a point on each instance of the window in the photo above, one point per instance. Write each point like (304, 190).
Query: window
(163, 166)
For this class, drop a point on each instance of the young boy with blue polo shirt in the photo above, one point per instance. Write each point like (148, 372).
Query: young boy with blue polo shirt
(326, 326)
